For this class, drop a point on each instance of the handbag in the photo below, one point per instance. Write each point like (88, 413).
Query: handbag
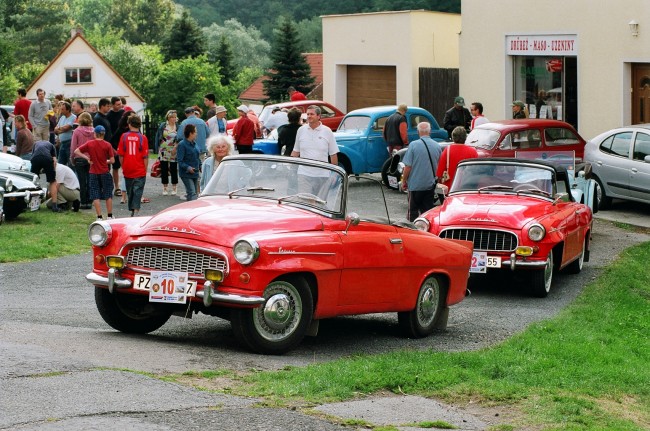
(155, 171)
(445, 173)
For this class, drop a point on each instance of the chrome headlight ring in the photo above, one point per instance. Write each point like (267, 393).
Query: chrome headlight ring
(536, 232)
(422, 224)
(246, 251)
(100, 233)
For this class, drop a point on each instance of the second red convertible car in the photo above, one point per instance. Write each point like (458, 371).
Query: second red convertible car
(520, 215)
(274, 244)
(504, 138)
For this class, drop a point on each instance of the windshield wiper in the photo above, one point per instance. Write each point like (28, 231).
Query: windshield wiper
(303, 196)
(494, 187)
(250, 189)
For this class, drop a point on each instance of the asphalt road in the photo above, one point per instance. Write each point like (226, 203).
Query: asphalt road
(62, 367)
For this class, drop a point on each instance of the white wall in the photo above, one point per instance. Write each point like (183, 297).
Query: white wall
(605, 50)
(407, 40)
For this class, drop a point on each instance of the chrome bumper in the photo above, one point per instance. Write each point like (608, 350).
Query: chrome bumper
(513, 263)
(113, 281)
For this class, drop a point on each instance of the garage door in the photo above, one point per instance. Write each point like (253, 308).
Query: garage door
(371, 86)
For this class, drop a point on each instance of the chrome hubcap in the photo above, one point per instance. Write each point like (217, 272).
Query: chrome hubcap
(428, 303)
(277, 311)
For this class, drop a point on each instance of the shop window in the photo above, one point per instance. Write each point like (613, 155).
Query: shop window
(78, 75)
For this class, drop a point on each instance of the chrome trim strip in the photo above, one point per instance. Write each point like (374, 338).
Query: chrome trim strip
(302, 253)
(231, 298)
(522, 264)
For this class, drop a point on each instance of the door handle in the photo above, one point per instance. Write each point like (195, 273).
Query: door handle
(635, 170)
(396, 240)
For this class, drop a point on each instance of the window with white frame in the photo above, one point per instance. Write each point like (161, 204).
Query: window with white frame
(78, 75)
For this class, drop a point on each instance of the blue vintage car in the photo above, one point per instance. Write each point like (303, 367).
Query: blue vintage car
(362, 148)
(361, 143)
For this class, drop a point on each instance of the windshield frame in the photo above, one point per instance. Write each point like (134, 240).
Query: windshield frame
(260, 165)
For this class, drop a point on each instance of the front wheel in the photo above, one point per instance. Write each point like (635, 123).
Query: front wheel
(132, 314)
(540, 281)
(390, 179)
(602, 200)
(279, 324)
(429, 310)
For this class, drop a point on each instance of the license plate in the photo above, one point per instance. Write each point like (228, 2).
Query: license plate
(35, 203)
(166, 286)
(392, 181)
(481, 261)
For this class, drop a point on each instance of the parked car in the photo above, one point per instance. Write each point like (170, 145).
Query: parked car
(22, 192)
(504, 138)
(274, 260)
(331, 116)
(620, 159)
(521, 217)
(9, 161)
(361, 142)
(2, 211)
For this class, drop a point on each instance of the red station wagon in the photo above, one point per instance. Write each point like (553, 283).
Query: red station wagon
(504, 138)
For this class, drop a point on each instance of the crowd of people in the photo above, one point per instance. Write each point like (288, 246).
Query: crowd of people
(91, 154)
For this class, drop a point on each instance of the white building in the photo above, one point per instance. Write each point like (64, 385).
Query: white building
(79, 72)
(374, 59)
(587, 61)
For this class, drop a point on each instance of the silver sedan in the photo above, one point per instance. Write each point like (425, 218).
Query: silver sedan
(620, 159)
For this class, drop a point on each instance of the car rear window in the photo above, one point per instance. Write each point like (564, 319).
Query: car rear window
(555, 136)
(482, 138)
(617, 145)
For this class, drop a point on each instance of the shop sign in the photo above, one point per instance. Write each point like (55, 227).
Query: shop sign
(554, 65)
(549, 45)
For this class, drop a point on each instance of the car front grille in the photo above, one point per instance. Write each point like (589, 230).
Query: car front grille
(484, 239)
(156, 258)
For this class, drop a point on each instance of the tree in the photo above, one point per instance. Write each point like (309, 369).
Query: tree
(138, 65)
(310, 33)
(41, 31)
(143, 21)
(225, 60)
(289, 67)
(184, 39)
(247, 42)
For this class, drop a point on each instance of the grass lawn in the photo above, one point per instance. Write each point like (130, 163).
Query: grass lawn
(41, 234)
(586, 369)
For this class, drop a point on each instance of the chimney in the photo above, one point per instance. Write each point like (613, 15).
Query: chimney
(75, 31)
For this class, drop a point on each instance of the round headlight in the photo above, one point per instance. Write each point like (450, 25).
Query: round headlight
(536, 232)
(9, 185)
(246, 251)
(100, 233)
(422, 224)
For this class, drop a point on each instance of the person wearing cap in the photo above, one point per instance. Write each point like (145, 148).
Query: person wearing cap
(202, 131)
(99, 153)
(518, 110)
(276, 119)
(82, 134)
(244, 131)
(295, 94)
(218, 124)
(395, 129)
(456, 116)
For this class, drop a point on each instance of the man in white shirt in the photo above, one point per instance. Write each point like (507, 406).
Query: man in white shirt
(276, 119)
(478, 118)
(218, 124)
(314, 141)
(68, 188)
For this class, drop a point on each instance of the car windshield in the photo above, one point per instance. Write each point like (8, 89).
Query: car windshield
(354, 123)
(504, 177)
(482, 138)
(287, 180)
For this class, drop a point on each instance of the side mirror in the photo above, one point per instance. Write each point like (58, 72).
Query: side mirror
(351, 219)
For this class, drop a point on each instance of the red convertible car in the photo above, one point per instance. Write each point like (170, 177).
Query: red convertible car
(274, 244)
(520, 215)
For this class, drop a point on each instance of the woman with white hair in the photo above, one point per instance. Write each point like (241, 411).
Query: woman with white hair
(218, 148)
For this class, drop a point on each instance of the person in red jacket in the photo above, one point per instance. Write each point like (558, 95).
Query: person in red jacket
(133, 150)
(244, 131)
(453, 154)
(21, 106)
(295, 94)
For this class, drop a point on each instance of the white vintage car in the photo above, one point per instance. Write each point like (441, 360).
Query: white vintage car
(9, 161)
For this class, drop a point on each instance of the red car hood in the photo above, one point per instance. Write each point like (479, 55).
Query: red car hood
(222, 221)
(493, 210)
